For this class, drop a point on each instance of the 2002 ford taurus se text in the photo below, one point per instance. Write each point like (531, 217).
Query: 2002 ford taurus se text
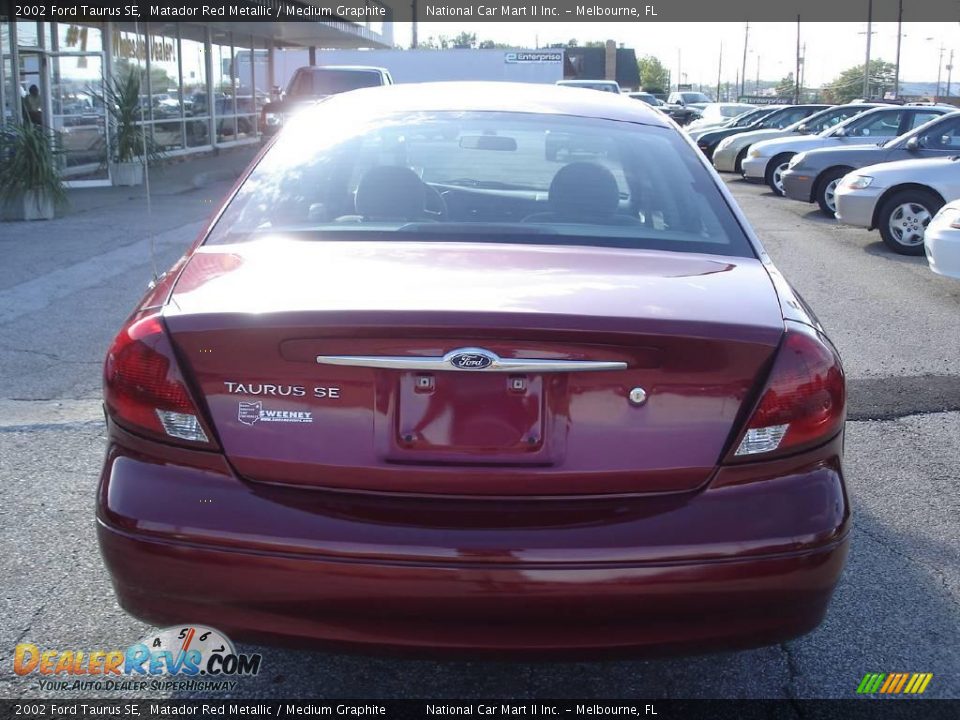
(418, 386)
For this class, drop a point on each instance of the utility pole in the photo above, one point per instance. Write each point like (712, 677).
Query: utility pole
(796, 75)
(413, 38)
(757, 91)
(736, 82)
(803, 68)
(719, 70)
(743, 72)
(939, 70)
(896, 76)
(949, 72)
(679, 76)
(866, 65)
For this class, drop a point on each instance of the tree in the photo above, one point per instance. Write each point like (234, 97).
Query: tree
(787, 86)
(849, 84)
(464, 40)
(491, 45)
(653, 74)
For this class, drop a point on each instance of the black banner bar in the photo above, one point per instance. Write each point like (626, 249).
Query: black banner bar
(488, 11)
(125, 709)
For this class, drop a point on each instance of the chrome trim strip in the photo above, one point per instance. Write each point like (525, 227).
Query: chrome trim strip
(497, 363)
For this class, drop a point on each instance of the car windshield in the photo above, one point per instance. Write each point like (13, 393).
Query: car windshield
(485, 177)
(332, 81)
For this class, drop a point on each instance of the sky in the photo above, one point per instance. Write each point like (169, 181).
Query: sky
(831, 47)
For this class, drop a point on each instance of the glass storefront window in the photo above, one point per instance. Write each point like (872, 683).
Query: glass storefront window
(224, 88)
(166, 104)
(28, 34)
(196, 107)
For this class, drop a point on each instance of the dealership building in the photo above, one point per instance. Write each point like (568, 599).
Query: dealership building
(196, 94)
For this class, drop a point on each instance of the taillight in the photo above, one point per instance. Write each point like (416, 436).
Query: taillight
(143, 387)
(803, 403)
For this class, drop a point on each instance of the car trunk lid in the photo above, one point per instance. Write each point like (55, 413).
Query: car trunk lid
(263, 330)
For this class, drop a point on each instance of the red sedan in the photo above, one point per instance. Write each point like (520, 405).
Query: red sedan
(422, 384)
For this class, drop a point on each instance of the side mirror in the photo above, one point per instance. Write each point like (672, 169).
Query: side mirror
(840, 132)
(913, 144)
(803, 129)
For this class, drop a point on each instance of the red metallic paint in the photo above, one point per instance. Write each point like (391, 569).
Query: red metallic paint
(618, 537)
(751, 559)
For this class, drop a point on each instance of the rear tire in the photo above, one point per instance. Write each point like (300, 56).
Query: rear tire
(775, 170)
(903, 218)
(826, 193)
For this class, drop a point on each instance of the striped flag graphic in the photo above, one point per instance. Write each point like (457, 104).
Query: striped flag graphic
(894, 683)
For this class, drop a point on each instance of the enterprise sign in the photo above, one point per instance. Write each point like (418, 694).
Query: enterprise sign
(533, 57)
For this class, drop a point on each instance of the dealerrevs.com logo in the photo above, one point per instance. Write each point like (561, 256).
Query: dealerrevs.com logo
(184, 657)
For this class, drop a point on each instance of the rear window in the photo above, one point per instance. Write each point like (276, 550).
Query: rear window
(331, 82)
(483, 177)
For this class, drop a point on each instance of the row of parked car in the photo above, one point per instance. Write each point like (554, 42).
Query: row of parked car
(892, 168)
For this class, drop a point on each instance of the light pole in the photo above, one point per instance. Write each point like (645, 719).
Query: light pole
(866, 65)
(719, 70)
(743, 71)
(949, 72)
(896, 76)
(939, 70)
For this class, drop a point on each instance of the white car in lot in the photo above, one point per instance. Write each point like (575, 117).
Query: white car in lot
(899, 198)
(942, 241)
(871, 123)
(716, 114)
(732, 150)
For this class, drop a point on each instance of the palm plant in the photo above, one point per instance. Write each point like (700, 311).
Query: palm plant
(29, 165)
(131, 140)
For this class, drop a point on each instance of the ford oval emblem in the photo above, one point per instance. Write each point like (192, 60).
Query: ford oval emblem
(471, 360)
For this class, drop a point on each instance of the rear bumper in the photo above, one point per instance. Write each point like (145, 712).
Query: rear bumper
(748, 562)
(798, 185)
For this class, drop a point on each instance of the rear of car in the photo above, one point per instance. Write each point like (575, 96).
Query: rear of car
(436, 391)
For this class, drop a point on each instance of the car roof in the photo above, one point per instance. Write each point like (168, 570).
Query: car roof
(471, 96)
(355, 68)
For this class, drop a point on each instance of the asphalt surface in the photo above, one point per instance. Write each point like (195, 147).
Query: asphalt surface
(897, 608)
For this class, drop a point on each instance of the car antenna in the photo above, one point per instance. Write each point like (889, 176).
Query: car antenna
(146, 178)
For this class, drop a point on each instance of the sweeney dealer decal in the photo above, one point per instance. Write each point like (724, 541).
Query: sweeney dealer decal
(252, 412)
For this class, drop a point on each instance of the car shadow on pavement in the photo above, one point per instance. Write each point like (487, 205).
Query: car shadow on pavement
(891, 613)
(878, 249)
(819, 217)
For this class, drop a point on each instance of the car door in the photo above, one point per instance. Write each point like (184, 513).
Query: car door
(915, 118)
(940, 140)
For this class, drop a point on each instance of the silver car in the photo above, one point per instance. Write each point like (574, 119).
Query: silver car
(899, 198)
(813, 176)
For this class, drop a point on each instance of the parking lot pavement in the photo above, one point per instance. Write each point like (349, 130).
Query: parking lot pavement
(897, 608)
